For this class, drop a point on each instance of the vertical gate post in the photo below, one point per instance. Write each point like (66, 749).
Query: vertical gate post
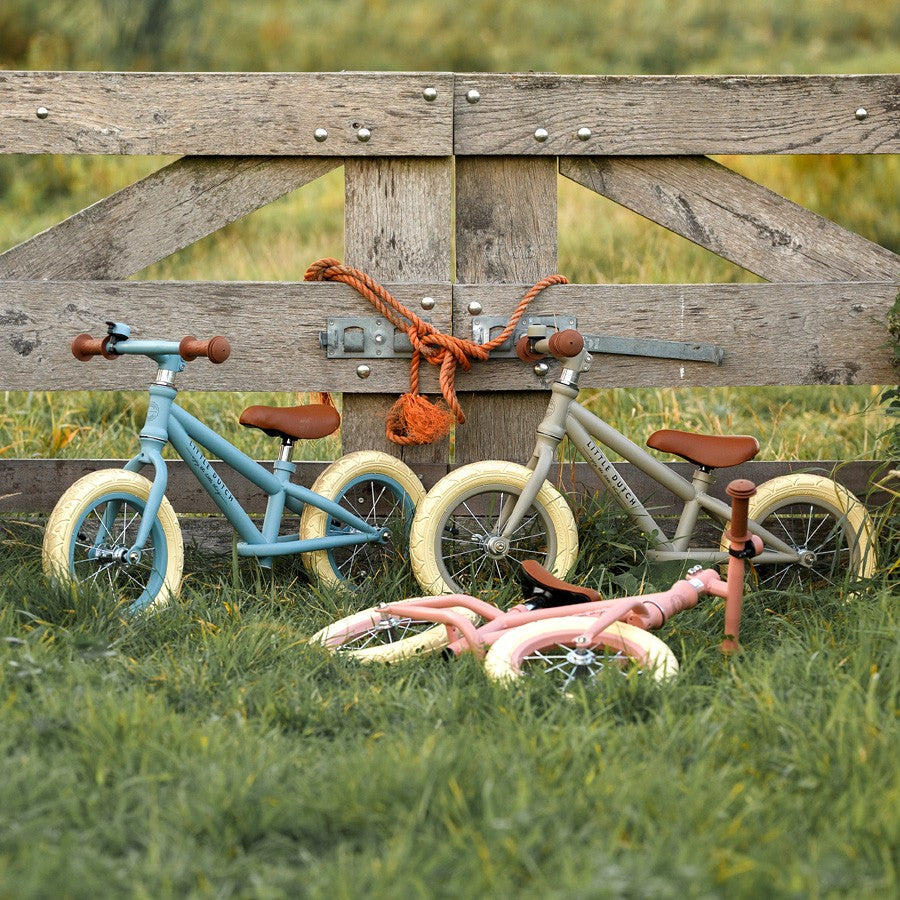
(397, 228)
(505, 234)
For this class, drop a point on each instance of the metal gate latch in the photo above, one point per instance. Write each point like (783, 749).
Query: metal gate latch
(370, 337)
(486, 327)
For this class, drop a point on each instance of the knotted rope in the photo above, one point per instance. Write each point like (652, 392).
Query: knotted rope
(414, 419)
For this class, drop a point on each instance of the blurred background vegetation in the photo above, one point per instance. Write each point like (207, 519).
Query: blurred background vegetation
(598, 240)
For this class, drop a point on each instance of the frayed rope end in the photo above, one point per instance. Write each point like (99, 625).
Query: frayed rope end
(414, 419)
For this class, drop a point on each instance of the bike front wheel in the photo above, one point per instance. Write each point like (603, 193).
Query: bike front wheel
(92, 530)
(456, 545)
(820, 519)
(377, 488)
(376, 636)
(550, 646)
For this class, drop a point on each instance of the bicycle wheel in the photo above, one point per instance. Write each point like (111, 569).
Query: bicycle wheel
(373, 636)
(829, 528)
(378, 488)
(94, 525)
(549, 645)
(454, 544)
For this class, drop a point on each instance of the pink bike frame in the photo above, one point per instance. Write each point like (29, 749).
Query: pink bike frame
(648, 611)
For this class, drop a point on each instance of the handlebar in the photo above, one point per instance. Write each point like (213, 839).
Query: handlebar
(740, 490)
(562, 345)
(216, 349)
(84, 347)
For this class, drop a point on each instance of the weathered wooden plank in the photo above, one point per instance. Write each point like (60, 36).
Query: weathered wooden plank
(159, 214)
(771, 334)
(273, 326)
(826, 333)
(734, 217)
(675, 115)
(505, 232)
(227, 113)
(34, 485)
(397, 228)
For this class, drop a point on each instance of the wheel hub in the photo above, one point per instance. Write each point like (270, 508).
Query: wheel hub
(581, 656)
(388, 624)
(121, 555)
(807, 558)
(496, 546)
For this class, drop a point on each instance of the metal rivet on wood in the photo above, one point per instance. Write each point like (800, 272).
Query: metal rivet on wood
(862, 114)
(42, 112)
(320, 134)
(363, 135)
(583, 133)
(541, 135)
(363, 371)
(428, 303)
(430, 94)
(474, 308)
(473, 96)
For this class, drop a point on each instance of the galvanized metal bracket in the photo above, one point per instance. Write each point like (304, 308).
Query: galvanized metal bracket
(363, 337)
(375, 337)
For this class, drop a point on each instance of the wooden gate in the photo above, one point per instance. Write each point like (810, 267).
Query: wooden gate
(435, 161)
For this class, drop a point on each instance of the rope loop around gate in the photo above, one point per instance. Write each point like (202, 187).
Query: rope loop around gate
(414, 419)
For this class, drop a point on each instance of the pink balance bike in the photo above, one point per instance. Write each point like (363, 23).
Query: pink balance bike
(562, 628)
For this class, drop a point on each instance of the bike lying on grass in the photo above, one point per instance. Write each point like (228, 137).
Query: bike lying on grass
(480, 521)
(565, 630)
(116, 527)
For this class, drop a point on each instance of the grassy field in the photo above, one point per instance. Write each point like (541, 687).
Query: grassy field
(209, 751)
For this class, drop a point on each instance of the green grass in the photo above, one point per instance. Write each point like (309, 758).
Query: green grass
(208, 751)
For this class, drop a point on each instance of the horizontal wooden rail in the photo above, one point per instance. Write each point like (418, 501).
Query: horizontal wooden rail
(581, 115)
(34, 485)
(439, 114)
(829, 333)
(231, 113)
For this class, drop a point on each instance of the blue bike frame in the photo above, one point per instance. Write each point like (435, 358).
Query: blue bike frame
(166, 423)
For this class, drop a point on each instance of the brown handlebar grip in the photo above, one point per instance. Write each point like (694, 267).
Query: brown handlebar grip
(216, 349)
(84, 347)
(566, 343)
(740, 490)
(524, 351)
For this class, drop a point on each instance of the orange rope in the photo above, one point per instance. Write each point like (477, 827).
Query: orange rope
(413, 419)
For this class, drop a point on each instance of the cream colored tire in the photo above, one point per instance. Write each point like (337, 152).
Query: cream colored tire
(444, 544)
(814, 514)
(378, 488)
(369, 636)
(69, 554)
(550, 643)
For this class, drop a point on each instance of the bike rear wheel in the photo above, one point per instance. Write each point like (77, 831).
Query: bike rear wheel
(550, 646)
(827, 526)
(378, 488)
(376, 636)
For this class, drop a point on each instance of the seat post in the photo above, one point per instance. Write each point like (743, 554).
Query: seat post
(287, 450)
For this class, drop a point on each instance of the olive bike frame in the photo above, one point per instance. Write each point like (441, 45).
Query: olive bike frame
(167, 422)
(565, 417)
